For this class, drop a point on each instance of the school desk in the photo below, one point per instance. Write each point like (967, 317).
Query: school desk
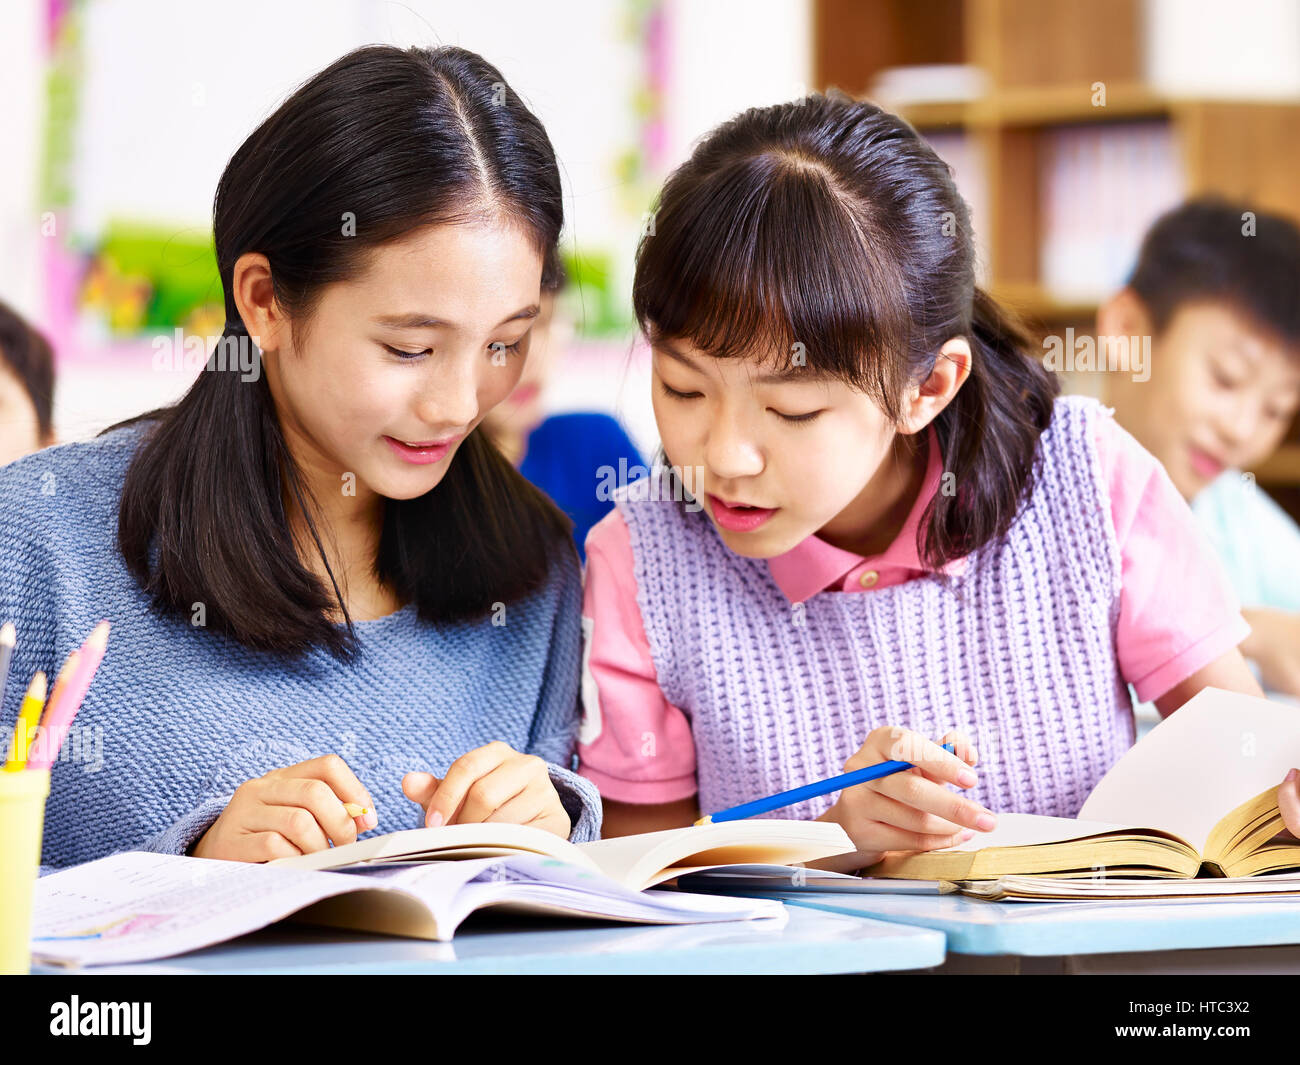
(1246, 935)
(812, 941)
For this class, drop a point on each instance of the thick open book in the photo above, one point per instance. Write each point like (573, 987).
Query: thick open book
(421, 883)
(636, 862)
(1196, 798)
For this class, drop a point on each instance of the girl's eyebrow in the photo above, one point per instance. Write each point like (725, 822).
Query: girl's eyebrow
(418, 320)
(790, 373)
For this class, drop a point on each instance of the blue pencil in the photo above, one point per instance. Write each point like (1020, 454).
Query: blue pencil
(811, 791)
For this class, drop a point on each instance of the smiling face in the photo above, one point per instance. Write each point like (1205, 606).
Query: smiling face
(810, 454)
(398, 365)
(1221, 395)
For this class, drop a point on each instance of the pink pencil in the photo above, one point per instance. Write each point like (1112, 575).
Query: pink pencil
(58, 719)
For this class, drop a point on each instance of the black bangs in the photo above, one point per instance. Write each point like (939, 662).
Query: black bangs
(768, 258)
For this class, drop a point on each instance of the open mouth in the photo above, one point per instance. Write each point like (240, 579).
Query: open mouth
(739, 517)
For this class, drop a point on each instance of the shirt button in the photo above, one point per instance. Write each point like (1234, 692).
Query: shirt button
(869, 578)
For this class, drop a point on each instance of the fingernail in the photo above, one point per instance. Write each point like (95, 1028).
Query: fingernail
(1289, 777)
(986, 822)
(967, 834)
(434, 820)
(967, 779)
(371, 820)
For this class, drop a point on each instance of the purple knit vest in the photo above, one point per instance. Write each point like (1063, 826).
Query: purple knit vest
(1019, 651)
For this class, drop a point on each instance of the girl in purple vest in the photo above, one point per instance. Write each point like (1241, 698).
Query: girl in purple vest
(873, 522)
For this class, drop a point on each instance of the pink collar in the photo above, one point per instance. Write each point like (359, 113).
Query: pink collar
(815, 566)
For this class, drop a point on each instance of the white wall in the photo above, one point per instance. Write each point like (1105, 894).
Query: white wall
(1224, 48)
(21, 115)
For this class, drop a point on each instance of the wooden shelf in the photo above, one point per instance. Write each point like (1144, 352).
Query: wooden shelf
(1041, 61)
(1282, 467)
(1032, 301)
(1057, 105)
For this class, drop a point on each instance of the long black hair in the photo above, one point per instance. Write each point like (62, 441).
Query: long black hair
(829, 223)
(400, 139)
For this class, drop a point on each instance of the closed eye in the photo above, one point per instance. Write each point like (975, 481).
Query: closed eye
(797, 418)
(672, 393)
(512, 349)
(401, 353)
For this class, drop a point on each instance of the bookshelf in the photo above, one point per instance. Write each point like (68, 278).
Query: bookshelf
(1042, 62)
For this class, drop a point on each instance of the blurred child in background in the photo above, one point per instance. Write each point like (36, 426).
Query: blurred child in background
(562, 454)
(1217, 288)
(26, 388)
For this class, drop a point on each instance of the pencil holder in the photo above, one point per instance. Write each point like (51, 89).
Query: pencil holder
(22, 817)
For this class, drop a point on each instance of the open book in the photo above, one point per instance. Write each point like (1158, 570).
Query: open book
(421, 883)
(1195, 798)
(635, 862)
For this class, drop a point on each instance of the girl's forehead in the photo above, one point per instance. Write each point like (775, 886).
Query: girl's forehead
(768, 364)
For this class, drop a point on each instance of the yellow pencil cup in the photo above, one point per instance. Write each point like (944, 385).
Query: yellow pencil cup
(22, 818)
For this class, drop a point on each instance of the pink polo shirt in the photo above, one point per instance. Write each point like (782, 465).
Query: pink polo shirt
(1177, 615)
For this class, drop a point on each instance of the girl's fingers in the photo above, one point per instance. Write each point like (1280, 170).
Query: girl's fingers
(317, 800)
(1288, 802)
(466, 769)
(294, 823)
(889, 838)
(492, 791)
(916, 790)
(335, 772)
(531, 804)
(964, 749)
(927, 756)
(888, 811)
(419, 787)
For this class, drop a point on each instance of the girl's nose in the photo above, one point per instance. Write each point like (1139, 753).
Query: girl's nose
(448, 400)
(731, 454)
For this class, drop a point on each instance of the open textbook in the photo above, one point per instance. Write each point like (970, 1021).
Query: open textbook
(1196, 798)
(139, 906)
(636, 862)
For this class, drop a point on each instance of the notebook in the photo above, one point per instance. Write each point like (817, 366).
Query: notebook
(1196, 798)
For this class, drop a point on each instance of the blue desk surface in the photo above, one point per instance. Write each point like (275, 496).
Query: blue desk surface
(972, 926)
(812, 941)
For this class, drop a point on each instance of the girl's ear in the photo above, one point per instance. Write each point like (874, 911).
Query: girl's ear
(255, 300)
(926, 400)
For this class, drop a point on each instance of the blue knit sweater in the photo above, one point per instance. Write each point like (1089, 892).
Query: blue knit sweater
(178, 716)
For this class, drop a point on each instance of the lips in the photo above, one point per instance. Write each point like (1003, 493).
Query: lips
(420, 452)
(1205, 465)
(738, 517)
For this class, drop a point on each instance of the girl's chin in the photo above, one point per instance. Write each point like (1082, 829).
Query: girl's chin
(757, 544)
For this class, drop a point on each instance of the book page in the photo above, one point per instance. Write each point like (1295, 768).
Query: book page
(479, 840)
(1024, 830)
(645, 859)
(136, 906)
(1212, 754)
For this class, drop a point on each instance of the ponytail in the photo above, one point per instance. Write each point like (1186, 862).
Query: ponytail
(988, 435)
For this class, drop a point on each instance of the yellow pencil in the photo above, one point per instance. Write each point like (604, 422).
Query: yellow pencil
(29, 713)
(354, 810)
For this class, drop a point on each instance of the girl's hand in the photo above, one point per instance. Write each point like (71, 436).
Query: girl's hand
(289, 811)
(492, 783)
(1288, 804)
(911, 810)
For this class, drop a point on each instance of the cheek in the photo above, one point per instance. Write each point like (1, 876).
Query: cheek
(673, 422)
(498, 382)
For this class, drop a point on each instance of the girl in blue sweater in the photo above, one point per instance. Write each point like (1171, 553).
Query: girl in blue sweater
(325, 585)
